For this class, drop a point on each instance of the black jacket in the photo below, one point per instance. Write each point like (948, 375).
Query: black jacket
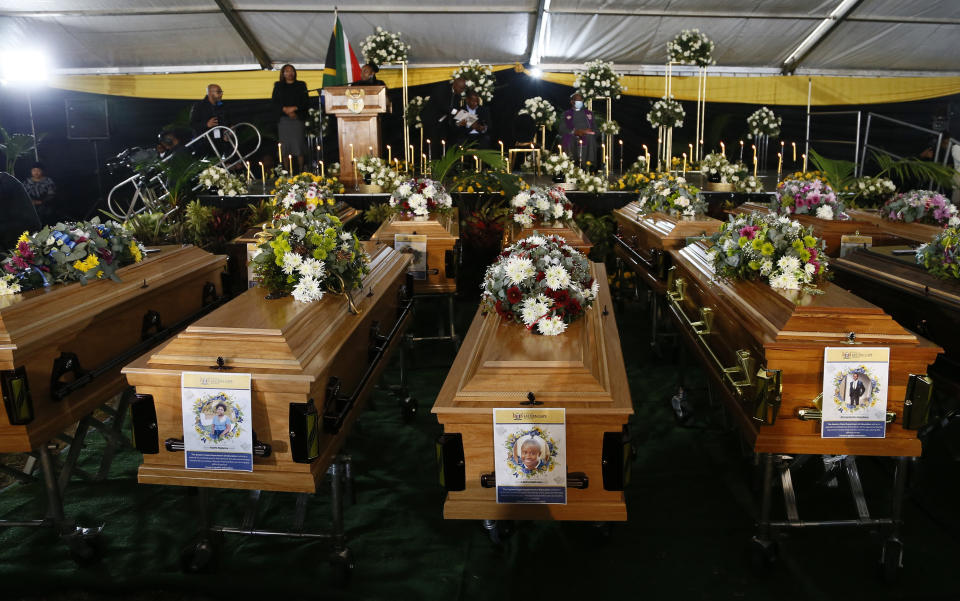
(368, 82)
(202, 112)
(291, 94)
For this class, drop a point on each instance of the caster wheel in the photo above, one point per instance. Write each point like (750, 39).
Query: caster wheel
(498, 532)
(85, 545)
(198, 557)
(763, 553)
(342, 565)
(891, 559)
(408, 409)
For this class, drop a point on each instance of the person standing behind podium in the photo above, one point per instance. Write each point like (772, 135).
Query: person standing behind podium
(209, 112)
(290, 98)
(368, 76)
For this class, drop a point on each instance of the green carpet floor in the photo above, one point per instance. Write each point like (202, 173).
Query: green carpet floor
(691, 504)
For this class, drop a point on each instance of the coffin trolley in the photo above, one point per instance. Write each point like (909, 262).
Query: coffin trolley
(444, 257)
(642, 245)
(763, 350)
(61, 351)
(502, 365)
(312, 368)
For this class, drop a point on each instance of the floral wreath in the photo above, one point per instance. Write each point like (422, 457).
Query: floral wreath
(211, 401)
(863, 370)
(548, 461)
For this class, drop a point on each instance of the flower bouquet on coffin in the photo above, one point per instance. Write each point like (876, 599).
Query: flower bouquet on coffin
(768, 247)
(305, 193)
(384, 48)
(921, 206)
(870, 191)
(812, 197)
(224, 183)
(734, 176)
(543, 205)
(69, 252)
(671, 196)
(421, 198)
(941, 256)
(539, 282)
(307, 256)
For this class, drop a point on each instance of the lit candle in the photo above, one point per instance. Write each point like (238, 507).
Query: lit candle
(723, 149)
(559, 149)
(411, 157)
(646, 157)
(263, 173)
(356, 180)
(741, 151)
(476, 162)
(369, 151)
(443, 146)
(429, 149)
(804, 162)
(779, 164)
(754, 146)
(690, 146)
(389, 155)
(685, 161)
(423, 164)
(794, 145)
(501, 147)
(782, 149)
(351, 153)
(247, 163)
(322, 174)
(621, 156)
(279, 154)
(580, 152)
(397, 163)
(603, 152)
(290, 160)
(754, 166)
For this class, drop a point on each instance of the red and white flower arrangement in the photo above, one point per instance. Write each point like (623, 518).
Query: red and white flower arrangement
(421, 197)
(540, 282)
(541, 204)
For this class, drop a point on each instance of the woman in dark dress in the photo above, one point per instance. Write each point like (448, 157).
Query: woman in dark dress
(290, 98)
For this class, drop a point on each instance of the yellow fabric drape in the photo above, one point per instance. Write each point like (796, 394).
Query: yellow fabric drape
(788, 89)
(237, 85)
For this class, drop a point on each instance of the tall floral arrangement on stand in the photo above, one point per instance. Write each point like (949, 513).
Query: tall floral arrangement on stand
(478, 77)
(941, 256)
(540, 110)
(807, 197)
(921, 206)
(773, 248)
(415, 110)
(608, 127)
(69, 252)
(558, 164)
(317, 123)
(763, 122)
(308, 255)
(598, 80)
(384, 48)
(666, 112)
(541, 204)
(691, 47)
(218, 179)
(421, 197)
(540, 282)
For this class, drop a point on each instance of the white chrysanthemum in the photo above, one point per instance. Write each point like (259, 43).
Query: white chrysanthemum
(788, 264)
(551, 326)
(558, 211)
(542, 203)
(8, 286)
(404, 190)
(594, 289)
(291, 261)
(346, 236)
(766, 266)
(556, 277)
(825, 212)
(518, 269)
(533, 308)
(311, 268)
(524, 219)
(520, 199)
(307, 290)
(784, 281)
(536, 240)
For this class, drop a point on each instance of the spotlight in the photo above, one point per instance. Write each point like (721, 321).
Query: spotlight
(24, 67)
(536, 72)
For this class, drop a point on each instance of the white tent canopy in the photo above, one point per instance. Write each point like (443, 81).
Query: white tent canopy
(752, 36)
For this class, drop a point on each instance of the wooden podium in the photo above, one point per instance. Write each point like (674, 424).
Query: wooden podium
(358, 109)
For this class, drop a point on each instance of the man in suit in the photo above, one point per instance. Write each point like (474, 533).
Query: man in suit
(208, 112)
(446, 102)
(472, 123)
(856, 390)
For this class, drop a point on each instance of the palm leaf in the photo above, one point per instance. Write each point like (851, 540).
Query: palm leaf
(837, 172)
(912, 169)
(442, 166)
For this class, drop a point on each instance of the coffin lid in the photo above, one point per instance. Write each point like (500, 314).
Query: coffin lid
(662, 230)
(793, 316)
(445, 227)
(918, 232)
(277, 336)
(31, 316)
(901, 273)
(500, 363)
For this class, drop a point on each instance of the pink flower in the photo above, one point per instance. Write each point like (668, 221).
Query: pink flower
(749, 231)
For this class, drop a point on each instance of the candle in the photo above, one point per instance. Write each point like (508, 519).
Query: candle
(646, 157)
(754, 146)
(388, 155)
(290, 159)
(423, 164)
(429, 149)
(443, 146)
(621, 156)
(580, 152)
(685, 161)
(356, 180)
(322, 174)
(279, 154)
(794, 145)
(779, 164)
(263, 173)
(741, 151)
(411, 158)
(723, 149)
(397, 163)
(690, 146)
(369, 151)
(754, 166)
(559, 149)
(804, 162)
(501, 147)
(781, 146)
(351, 153)
(247, 163)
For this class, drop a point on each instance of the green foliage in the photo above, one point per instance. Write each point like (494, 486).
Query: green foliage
(261, 212)
(378, 213)
(149, 228)
(600, 232)
(840, 174)
(441, 168)
(15, 146)
(196, 220)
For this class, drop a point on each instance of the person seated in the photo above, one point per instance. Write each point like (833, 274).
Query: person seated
(368, 76)
(472, 123)
(577, 127)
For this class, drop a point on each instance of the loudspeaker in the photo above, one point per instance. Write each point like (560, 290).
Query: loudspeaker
(87, 119)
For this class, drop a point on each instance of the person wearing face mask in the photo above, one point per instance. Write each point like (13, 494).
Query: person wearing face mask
(577, 128)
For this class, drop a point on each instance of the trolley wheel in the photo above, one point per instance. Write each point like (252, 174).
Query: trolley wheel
(85, 545)
(763, 553)
(891, 559)
(199, 556)
(603, 530)
(341, 562)
(497, 531)
(408, 408)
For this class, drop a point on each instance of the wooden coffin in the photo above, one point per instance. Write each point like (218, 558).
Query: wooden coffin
(920, 301)
(292, 350)
(642, 241)
(785, 334)
(242, 248)
(443, 247)
(830, 230)
(581, 370)
(99, 323)
(915, 232)
(570, 232)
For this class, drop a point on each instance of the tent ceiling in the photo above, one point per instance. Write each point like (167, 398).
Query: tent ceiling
(752, 36)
